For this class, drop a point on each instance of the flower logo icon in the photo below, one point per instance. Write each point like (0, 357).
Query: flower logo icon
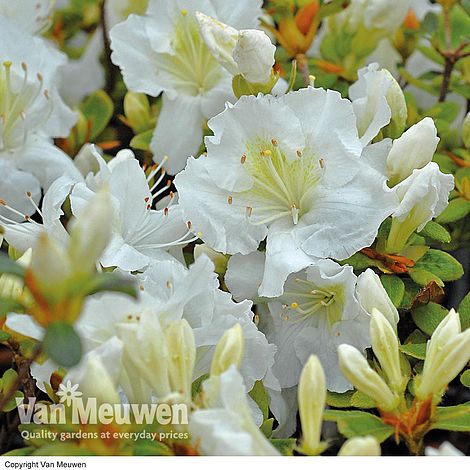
(68, 393)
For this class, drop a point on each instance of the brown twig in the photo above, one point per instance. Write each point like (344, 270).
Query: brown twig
(23, 375)
(111, 69)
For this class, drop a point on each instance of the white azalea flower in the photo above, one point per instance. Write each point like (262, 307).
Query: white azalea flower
(377, 98)
(248, 52)
(423, 196)
(33, 16)
(317, 311)
(140, 233)
(23, 235)
(276, 170)
(31, 112)
(229, 429)
(163, 51)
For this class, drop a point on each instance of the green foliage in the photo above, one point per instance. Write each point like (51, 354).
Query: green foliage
(62, 344)
(428, 316)
(98, 110)
(453, 418)
(359, 423)
(436, 265)
(436, 232)
(465, 379)
(395, 288)
(7, 384)
(464, 312)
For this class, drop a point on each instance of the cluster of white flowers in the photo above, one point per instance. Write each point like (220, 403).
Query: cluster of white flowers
(287, 188)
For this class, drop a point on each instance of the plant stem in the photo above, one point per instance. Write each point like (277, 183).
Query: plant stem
(448, 67)
(302, 64)
(111, 69)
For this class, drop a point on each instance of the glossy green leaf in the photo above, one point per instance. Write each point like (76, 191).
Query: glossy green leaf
(359, 423)
(395, 288)
(441, 264)
(465, 378)
(284, 446)
(429, 316)
(142, 141)
(464, 312)
(457, 209)
(436, 232)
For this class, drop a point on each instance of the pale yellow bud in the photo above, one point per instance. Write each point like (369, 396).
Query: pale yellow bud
(229, 351)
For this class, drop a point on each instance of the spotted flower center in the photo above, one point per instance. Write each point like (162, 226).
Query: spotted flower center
(191, 68)
(281, 187)
(18, 93)
(307, 300)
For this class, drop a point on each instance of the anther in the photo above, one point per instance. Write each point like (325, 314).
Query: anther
(230, 199)
(165, 211)
(189, 224)
(243, 159)
(299, 153)
(249, 211)
(266, 153)
(322, 163)
(274, 142)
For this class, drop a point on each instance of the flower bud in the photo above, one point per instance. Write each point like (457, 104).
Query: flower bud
(90, 233)
(137, 111)
(312, 398)
(254, 55)
(447, 352)
(248, 52)
(466, 131)
(229, 350)
(50, 263)
(358, 371)
(396, 101)
(386, 347)
(360, 446)
(422, 196)
(146, 353)
(413, 150)
(371, 294)
(182, 356)
(12, 287)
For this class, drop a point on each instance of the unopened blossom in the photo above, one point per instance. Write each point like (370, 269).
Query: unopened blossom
(423, 196)
(229, 429)
(31, 113)
(447, 352)
(248, 52)
(360, 446)
(446, 449)
(378, 101)
(312, 399)
(365, 379)
(276, 171)
(372, 295)
(164, 52)
(413, 150)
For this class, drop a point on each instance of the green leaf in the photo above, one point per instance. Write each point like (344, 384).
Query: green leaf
(8, 266)
(7, 384)
(457, 209)
(359, 423)
(197, 385)
(446, 111)
(62, 344)
(429, 316)
(98, 109)
(142, 141)
(260, 396)
(453, 418)
(441, 264)
(339, 400)
(361, 400)
(284, 446)
(423, 277)
(418, 351)
(395, 288)
(411, 290)
(465, 378)
(110, 282)
(436, 232)
(464, 312)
